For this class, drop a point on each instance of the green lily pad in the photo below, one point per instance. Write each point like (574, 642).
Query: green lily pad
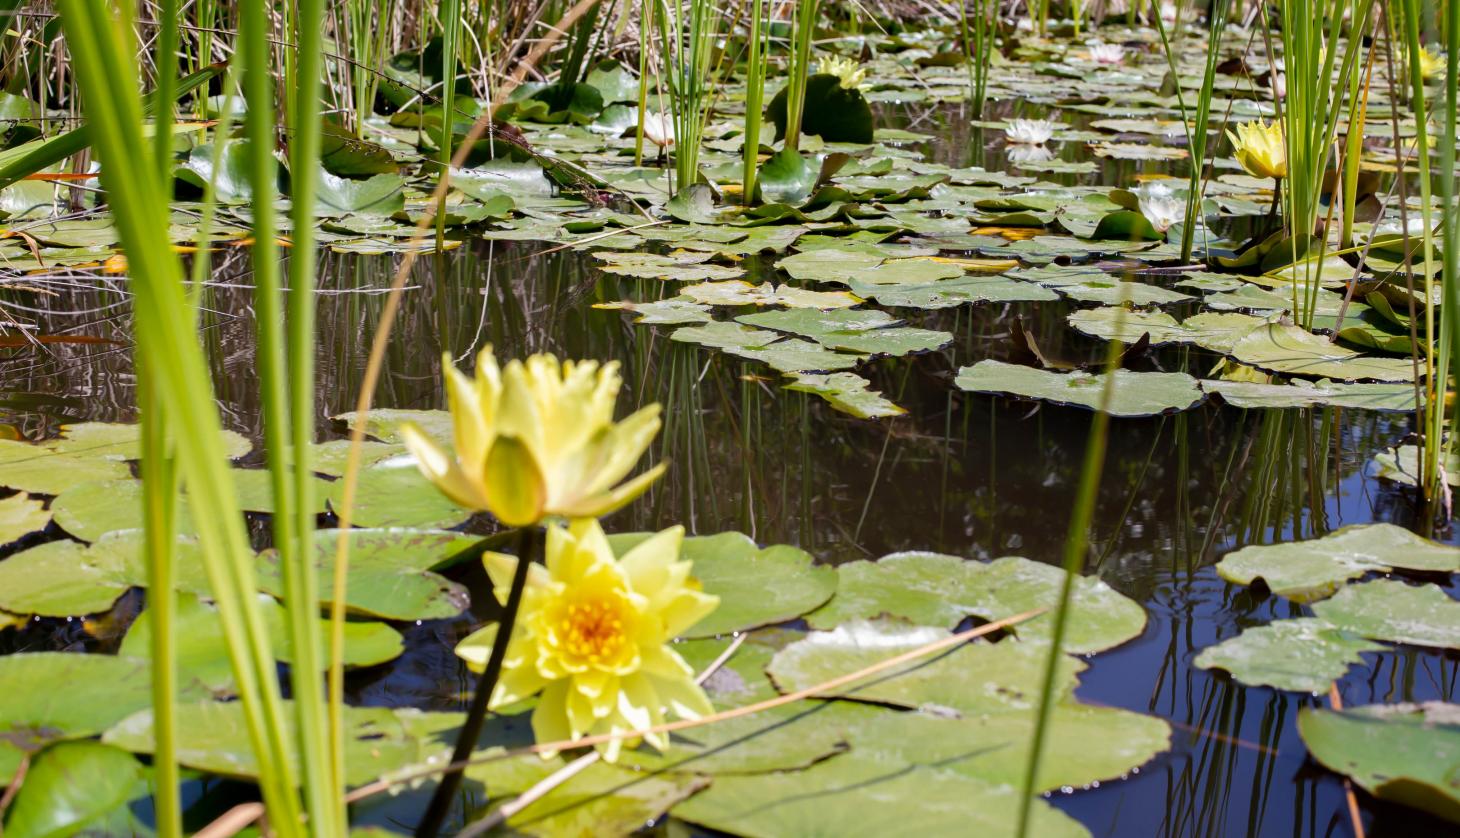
(681, 267)
(1396, 398)
(1305, 571)
(1210, 330)
(384, 423)
(867, 331)
(99, 691)
(213, 737)
(67, 578)
(1290, 350)
(835, 113)
(124, 441)
(1390, 610)
(973, 678)
(865, 269)
(21, 515)
(382, 194)
(202, 649)
(600, 800)
(1302, 654)
(76, 788)
(394, 493)
(849, 798)
(675, 311)
(756, 587)
(947, 293)
(789, 355)
(1132, 393)
(1405, 753)
(786, 178)
(738, 293)
(390, 572)
(43, 471)
(939, 590)
(848, 392)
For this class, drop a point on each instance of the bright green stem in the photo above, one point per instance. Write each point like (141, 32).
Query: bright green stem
(323, 775)
(103, 57)
(1196, 134)
(1451, 244)
(450, 35)
(755, 72)
(159, 495)
(806, 11)
(1076, 542)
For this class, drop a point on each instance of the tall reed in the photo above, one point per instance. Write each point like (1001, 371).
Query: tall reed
(757, 62)
(687, 37)
(103, 50)
(803, 33)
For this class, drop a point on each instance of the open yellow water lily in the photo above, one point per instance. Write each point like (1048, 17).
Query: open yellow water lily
(537, 438)
(1259, 149)
(849, 75)
(591, 636)
(1431, 63)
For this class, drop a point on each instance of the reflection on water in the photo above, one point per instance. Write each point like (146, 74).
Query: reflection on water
(964, 474)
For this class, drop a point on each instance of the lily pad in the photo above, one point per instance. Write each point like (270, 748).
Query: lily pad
(1405, 753)
(1132, 393)
(738, 293)
(1302, 654)
(1210, 330)
(1305, 571)
(947, 293)
(67, 578)
(77, 788)
(1390, 610)
(940, 590)
(394, 493)
(867, 331)
(21, 515)
(757, 587)
(1290, 350)
(1396, 398)
(848, 392)
(390, 573)
(41, 470)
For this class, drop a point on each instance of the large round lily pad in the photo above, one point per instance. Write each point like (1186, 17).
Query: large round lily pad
(756, 587)
(77, 788)
(1406, 753)
(21, 515)
(1310, 570)
(67, 578)
(1132, 394)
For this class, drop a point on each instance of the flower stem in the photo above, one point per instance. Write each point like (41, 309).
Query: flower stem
(471, 729)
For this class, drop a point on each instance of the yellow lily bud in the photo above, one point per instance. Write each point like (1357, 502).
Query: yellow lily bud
(1259, 149)
(536, 439)
(592, 636)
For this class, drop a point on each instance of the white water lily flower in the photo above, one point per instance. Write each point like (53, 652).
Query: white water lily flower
(1020, 155)
(1279, 82)
(1160, 205)
(659, 129)
(1030, 131)
(1168, 13)
(1102, 53)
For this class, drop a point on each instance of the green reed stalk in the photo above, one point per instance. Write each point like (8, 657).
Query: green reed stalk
(1438, 370)
(323, 772)
(1451, 220)
(1197, 134)
(804, 32)
(1353, 146)
(646, 27)
(450, 47)
(103, 51)
(687, 37)
(1076, 541)
(756, 64)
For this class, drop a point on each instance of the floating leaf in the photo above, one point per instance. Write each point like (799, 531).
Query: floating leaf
(76, 788)
(67, 578)
(1398, 398)
(738, 293)
(1310, 570)
(868, 331)
(938, 590)
(1132, 393)
(40, 470)
(847, 392)
(674, 311)
(790, 355)
(1389, 610)
(394, 493)
(21, 515)
(684, 267)
(947, 293)
(1302, 654)
(1405, 753)
(757, 587)
(1210, 330)
(382, 194)
(1290, 350)
(390, 572)
(836, 113)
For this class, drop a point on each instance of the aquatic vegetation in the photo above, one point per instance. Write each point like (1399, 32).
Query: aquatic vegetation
(1030, 131)
(1160, 205)
(1103, 53)
(592, 637)
(1260, 149)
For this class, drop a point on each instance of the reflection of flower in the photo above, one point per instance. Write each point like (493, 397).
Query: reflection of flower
(1160, 205)
(591, 636)
(1107, 53)
(1431, 63)
(1025, 154)
(1259, 149)
(537, 438)
(1031, 131)
(845, 69)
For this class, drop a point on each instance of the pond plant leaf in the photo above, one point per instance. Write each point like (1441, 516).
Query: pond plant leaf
(1405, 753)
(393, 493)
(866, 331)
(41, 470)
(1290, 350)
(1310, 570)
(933, 589)
(382, 194)
(786, 177)
(1392, 398)
(21, 515)
(76, 788)
(1390, 610)
(68, 578)
(848, 392)
(738, 293)
(1217, 331)
(390, 572)
(1302, 654)
(1132, 394)
(756, 587)
(835, 113)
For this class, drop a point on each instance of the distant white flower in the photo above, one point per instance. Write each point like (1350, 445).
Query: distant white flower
(1279, 82)
(1107, 53)
(1168, 13)
(1160, 205)
(659, 129)
(1021, 155)
(1030, 131)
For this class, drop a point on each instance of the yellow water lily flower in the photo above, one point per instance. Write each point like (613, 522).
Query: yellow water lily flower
(1259, 149)
(845, 69)
(592, 634)
(1431, 63)
(536, 439)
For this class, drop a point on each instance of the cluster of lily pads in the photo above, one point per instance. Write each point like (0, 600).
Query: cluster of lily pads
(945, 739)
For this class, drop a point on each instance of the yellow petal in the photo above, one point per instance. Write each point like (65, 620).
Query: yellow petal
(604, 503)
(468, 424)
(477, 646)
(648, 563)
(514, 483)
(438, 467)
(550, 718)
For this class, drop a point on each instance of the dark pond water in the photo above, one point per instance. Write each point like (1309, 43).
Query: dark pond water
(965, 474)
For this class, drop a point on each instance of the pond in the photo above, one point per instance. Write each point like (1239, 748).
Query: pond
(966, 474)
